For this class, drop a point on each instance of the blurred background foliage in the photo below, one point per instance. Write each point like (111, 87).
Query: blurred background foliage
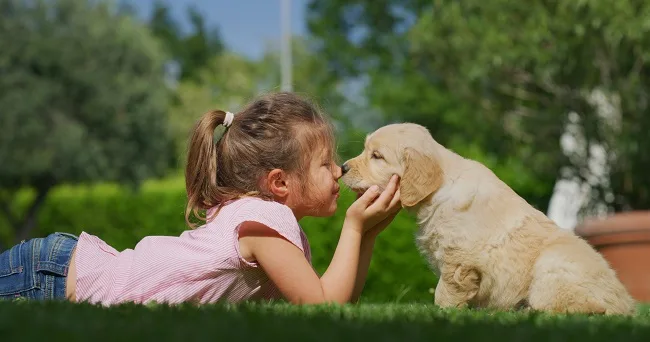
(96, 105)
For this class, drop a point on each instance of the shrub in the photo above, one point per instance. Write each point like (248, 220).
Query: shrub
(122, 217)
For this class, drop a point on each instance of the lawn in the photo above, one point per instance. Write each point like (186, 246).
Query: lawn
(33, 321)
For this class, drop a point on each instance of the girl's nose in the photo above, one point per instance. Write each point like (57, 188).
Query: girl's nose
(338, 172)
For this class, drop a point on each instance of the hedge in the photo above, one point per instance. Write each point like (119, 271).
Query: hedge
(398, 273)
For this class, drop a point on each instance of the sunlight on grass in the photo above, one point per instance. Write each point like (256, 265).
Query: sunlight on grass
(281, 321)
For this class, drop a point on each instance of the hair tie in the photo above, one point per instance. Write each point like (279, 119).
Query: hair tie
(227, 121)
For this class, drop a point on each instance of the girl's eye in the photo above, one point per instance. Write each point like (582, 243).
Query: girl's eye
(377, 155)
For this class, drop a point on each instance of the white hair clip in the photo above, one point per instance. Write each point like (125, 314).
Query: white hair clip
(227, 121)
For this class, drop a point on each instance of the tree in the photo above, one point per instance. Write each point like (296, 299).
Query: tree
(357, 37)
(585, 60)
(83, 99)
(372, 43)
(192, 51)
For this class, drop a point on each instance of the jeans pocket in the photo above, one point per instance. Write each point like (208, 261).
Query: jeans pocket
(55, 254)
(16, 271)
(51, 268)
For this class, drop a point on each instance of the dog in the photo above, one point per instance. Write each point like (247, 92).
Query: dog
(490, 248)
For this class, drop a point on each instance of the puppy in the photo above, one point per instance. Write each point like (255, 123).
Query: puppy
(489, 247)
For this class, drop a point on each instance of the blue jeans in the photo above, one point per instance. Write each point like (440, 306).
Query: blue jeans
(37, 268)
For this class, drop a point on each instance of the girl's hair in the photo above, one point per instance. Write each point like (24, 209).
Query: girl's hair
(276, 131)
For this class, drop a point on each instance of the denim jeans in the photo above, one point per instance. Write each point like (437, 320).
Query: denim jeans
(37, 268)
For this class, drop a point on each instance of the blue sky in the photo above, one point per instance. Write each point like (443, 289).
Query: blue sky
(245, 25)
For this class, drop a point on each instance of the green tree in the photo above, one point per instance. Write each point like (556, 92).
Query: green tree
(371, 43)
(586, 60)
(82, 99)
(192, 51)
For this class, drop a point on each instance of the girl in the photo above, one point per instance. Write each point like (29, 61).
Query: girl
(272, 166)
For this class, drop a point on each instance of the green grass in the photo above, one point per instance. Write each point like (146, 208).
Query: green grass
(50, 321)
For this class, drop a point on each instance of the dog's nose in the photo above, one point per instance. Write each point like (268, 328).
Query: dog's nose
(345, 168)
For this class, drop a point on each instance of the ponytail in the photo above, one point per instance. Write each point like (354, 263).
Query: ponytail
(201, 167)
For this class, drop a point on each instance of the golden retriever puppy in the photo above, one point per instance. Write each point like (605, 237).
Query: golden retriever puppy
(489, 247)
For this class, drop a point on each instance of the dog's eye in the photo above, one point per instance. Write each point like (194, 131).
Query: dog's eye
(377, 155)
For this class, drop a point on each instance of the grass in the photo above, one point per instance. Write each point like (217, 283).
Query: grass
(52, 321)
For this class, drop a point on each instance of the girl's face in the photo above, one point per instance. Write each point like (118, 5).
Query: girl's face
(322, 191)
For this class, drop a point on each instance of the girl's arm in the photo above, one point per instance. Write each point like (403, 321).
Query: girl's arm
(286, 265)
(367, 246)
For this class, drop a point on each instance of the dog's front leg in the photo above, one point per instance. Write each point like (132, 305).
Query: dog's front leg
(457, 286)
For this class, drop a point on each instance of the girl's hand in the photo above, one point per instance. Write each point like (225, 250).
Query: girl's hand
(369, 210)
(379, 227)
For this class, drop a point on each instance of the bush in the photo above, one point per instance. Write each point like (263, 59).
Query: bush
(398, 273)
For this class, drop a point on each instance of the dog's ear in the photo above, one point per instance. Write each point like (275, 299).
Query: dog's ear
(422, 176)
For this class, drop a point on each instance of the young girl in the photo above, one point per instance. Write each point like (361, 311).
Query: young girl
(272, 166)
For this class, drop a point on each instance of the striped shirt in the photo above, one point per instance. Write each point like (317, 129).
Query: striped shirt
(202, 265)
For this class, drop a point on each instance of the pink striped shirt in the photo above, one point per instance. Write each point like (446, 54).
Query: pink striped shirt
(202, 265)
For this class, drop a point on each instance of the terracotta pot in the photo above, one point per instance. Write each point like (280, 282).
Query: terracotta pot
(624, 240)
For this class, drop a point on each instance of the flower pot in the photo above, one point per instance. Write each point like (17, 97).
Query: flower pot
(624, 240)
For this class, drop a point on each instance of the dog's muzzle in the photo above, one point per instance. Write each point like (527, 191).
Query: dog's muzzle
(345, 168)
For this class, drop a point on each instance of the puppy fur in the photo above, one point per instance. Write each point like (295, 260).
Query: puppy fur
(489, 246)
